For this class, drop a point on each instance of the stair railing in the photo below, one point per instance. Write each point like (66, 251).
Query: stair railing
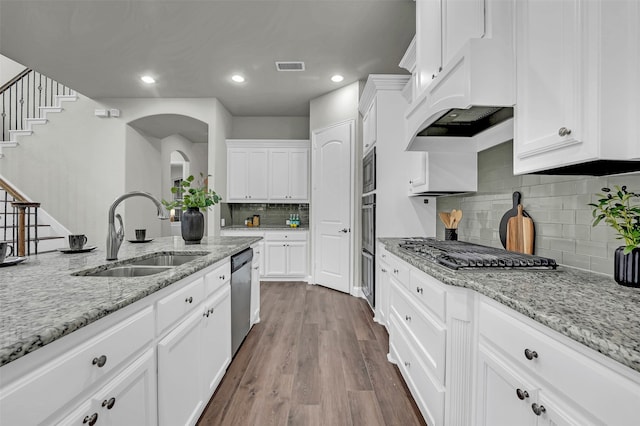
(22, 97)
(21, 213)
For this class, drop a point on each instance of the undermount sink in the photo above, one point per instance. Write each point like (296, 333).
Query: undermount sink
(128, 271)
(166, 260)
(156, 264)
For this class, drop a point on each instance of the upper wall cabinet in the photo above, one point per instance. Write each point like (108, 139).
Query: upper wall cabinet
(288, 174)
(369, 128)
(578, 93)
(268, 170)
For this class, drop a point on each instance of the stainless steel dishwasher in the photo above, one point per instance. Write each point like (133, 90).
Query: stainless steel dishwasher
(240, 297)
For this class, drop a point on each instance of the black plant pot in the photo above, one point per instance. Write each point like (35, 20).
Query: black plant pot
(627, 267)
(192, 226)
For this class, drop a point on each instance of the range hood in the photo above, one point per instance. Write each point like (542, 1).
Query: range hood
(474, 93)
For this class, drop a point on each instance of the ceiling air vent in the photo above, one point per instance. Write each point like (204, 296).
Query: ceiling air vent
(290, 66)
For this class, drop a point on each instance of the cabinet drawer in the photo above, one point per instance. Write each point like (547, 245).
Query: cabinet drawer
(179, 304)
(397, 268)
(564, 365)
(286, 236)
(216, 278)
(430, 292)
(428, 335)
(46, 390)
(429, 395)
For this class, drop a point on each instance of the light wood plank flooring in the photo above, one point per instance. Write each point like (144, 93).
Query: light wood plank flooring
(316, 358)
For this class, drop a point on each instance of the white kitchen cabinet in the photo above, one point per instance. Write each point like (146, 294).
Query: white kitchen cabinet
(180, 396)
(216, 339)
(369, 128)
(288, 174)
(286, 255)
(383, 284)
(443, 172)
(255, 283)
(567, 382)
(577, 87)
(129, 399)
(247, 174)
(268, 171)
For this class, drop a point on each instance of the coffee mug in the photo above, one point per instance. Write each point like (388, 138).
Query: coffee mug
(141, 234)
(3, 250)
(77, 242)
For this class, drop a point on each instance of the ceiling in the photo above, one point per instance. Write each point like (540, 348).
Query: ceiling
(101, 47)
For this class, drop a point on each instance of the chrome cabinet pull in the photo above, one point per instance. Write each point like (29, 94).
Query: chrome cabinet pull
(189, 299)
(419, 290)
(407, 364)
(522, 394)
(529, 354)
(538, 409)
(407, 317)
(99, 362)
(563, 131)
(109, 403)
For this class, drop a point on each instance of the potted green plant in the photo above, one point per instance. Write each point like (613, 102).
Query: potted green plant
(617, 210)
(196, 197)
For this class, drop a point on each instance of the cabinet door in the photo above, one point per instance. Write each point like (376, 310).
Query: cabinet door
(279, 174)
(549, 79)
(257, 177)
(131, 397)
(179, 394)
(255, 292)
(428, 42)
(237, 173)
(297, 258)
(462, 20)
(299, 174)
(551, 410)
(370, 128)
(499, 393)
(382, 293)
(418, 170)
(216, 339)
(275, 258)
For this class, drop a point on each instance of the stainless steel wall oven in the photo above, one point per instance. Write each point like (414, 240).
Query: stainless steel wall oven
(368, 247)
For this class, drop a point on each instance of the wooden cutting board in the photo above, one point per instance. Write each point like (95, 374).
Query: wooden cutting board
(520, 233)
(513, 212)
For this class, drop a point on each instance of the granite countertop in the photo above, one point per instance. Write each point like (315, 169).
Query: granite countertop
(40, 301)
(590, 308)
(265, 228)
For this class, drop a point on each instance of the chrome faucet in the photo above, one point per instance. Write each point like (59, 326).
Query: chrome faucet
(114, 238)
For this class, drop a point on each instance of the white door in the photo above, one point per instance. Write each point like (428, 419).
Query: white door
(332, 196)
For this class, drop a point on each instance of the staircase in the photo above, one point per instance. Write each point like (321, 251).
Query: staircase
(27, 100)
(23, 220)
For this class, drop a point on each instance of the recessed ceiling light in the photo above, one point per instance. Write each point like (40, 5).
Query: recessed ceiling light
(148, 79)
(337, 78)
(237, 78)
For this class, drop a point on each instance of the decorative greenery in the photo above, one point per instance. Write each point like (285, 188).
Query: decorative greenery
(615, 208)
(198, 196)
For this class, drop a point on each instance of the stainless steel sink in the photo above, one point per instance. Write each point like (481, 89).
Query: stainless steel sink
(128, 271)
(166, 260)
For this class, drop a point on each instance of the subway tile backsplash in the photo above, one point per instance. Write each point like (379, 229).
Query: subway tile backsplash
(270, 214)
(557, 205)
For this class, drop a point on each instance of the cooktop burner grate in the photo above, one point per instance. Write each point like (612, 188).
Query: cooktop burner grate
(462, 255)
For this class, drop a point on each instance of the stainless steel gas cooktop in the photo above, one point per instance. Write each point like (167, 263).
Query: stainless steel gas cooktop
(462, 255)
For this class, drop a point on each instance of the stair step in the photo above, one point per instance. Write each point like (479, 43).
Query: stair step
(73, 97)
(48, 109)
(34, 121)
(8, 144)
(13, 133)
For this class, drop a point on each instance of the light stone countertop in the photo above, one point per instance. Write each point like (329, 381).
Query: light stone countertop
(264, 228)
(40, 301)
(590, 308)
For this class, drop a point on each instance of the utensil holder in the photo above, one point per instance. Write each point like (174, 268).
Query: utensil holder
(451, 234)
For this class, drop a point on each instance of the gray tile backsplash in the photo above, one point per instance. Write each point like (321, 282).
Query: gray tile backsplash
(270, 214)
(557, 205)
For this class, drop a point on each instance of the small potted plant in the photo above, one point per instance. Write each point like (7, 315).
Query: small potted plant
(196, 197)
(615, 208)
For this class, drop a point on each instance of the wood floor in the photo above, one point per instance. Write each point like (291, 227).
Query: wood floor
(316, 358)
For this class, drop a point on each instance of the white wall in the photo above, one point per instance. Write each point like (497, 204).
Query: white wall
(270, 128)
(75, 164)
(9, 69)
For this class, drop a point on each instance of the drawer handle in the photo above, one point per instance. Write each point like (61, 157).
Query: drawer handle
(538, 409)
(522, 394)
(529, 354)
(100, 362)
(206, 314)
(222, 277)
(407, 364)
(109, 404)
(563, 131)
(91, 419)
(211, 310)
(419, 290)
(384, 255)
(384, 270)
(395, 271)
(407, 317)
(189, 299)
